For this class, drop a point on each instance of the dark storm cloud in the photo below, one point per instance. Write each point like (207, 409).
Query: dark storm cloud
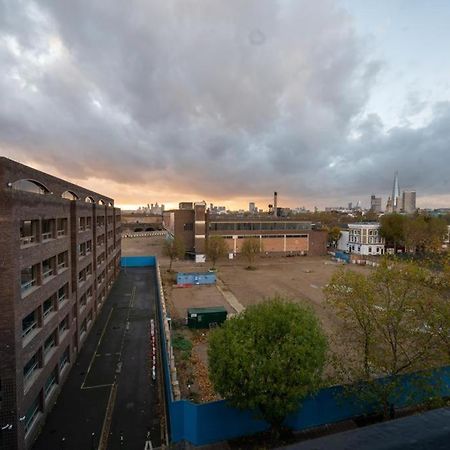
(221, 98)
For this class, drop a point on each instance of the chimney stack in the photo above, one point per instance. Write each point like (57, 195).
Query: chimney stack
(275, 204)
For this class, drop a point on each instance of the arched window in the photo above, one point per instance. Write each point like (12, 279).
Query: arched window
(89, 200)
(101, 202)
(69, 195)
(111, 204)
(30, 186)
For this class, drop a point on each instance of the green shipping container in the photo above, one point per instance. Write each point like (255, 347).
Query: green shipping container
(206, 317)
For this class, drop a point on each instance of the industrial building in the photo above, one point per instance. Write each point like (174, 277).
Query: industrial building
(60, 248)
(276, 234)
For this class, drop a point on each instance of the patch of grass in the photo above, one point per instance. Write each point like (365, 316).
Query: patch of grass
(179, 342)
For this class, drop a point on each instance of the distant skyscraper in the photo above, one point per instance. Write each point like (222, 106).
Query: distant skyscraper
(409, 202)
(389, 206)
(375, 204)
(252, 208)
(396, 194)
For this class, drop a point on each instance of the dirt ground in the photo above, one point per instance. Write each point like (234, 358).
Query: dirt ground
(299, 278)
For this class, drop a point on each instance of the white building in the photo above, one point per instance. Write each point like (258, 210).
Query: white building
(365, 239)
(342, 243)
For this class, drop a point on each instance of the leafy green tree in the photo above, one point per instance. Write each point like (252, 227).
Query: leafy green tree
(268, 358)
(387, 327)
(216, 248)
(173, 248)
(392, 229)
(333, 235)
(424, 234)
(250, 248)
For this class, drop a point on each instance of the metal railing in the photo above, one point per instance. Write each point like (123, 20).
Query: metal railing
(47, 236)
(49, 311)
(27, 240)
(47, 273)
(60, 233)
(62, 297)
(28, 285)
(29, 329)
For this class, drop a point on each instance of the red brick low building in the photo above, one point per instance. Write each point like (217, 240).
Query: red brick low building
(276, 234)
(59, 256)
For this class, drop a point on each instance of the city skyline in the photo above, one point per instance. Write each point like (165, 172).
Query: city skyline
(321, 102)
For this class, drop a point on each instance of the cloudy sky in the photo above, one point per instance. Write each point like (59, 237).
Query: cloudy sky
(227, 101)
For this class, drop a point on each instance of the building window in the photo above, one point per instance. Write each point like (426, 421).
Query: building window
(30, 186)
(82, 301)
(81, 223)
(49, 307)
(69, 195)
(48, 267)
(50, 382)
(89, 293)
(370, 249)
(188, 226)
(30, 323)
(62, 260)
(64, 325)
(101, 240)
(83, 327)
(63, 293)
(88, 247)
(65, 359)
(100, 221)
(50, 344)
(48, 229)
(82, 276)
(28, 232)
(61, 227)
(82, 249)
(31, 367)
(28, 277)
(32, 413)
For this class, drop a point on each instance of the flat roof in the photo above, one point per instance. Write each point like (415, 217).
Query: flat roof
(205, 310)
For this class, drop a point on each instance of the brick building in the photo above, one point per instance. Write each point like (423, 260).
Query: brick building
(276, 234)
(59, 256)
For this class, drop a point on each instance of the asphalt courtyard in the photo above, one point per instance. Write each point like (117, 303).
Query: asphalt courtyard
(109, 400)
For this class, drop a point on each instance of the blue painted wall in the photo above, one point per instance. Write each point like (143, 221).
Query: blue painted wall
(138, 261)
(196, 278)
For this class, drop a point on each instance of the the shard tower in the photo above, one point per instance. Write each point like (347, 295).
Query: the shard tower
(396, 194)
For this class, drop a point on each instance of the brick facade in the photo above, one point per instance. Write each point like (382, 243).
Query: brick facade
(58, 260)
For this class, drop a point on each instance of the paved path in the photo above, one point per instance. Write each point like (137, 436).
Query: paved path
(229, 296)
(109, 391)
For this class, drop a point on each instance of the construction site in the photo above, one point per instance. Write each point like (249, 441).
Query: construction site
(299, 278)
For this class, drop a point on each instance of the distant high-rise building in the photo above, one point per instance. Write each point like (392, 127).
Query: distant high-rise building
(396, 204)
(375, 204)
(252, 208)
(409, 202)
(350, 205)
(389, 206)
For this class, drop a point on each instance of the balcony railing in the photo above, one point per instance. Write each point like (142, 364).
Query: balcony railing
(62, 297)
(28, 285)
(48, 347)
(47, 273)
(29, 329)
(27, 240)
(47, 236)
(62, 265)
(60, 233)
(28, 374)
(48, 311)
